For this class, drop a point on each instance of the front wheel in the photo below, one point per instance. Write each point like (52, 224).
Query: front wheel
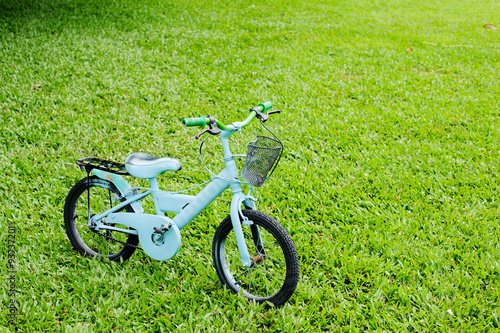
(274, 273)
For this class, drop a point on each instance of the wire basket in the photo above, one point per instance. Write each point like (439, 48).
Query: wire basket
(262, 157)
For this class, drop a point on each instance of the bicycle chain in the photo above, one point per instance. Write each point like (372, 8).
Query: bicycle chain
(119, 241)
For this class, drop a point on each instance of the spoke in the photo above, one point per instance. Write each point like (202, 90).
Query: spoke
(231, 243)
(84, 207)
(109, 246)
(274, 261)
(251, 280)
(100, 243)
(247, 271)
(265, 284)
(233, 264)
(86, 231)
(93, 236)
(236, 275)
(272, 275)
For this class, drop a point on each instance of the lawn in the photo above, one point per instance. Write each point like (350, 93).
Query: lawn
(388, 184)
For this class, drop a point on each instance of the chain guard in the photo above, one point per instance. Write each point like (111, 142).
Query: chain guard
(158, 248)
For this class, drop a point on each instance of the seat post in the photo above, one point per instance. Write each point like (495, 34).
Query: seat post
(153, 183)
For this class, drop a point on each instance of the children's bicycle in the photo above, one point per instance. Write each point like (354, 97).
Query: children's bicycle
(252, 253)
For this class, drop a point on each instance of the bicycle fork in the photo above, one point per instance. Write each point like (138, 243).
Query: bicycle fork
(236, 216)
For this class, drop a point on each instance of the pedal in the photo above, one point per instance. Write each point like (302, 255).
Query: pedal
(162, 229)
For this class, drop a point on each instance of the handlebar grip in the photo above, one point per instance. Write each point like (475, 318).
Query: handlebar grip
(198, 121)
(265, 106)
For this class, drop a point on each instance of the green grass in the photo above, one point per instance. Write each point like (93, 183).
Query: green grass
(388, 185)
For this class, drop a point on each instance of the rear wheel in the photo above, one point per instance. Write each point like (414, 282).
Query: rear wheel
(103, 195)
(274, 273)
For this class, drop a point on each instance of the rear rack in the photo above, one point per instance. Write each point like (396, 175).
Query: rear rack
(89, 163)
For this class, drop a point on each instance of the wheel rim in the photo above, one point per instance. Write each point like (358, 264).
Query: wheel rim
(95, 243)
(267, 275)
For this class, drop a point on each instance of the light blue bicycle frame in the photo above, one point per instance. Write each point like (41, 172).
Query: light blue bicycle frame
(186, 207)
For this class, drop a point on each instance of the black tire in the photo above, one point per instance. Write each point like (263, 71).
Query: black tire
(275, 271)
(88, 242)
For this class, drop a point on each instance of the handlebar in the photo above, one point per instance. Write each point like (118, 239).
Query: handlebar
(202, 121)
(198, 121)
(263, 107)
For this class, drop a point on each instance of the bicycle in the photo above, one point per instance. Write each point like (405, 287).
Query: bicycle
(252, 253)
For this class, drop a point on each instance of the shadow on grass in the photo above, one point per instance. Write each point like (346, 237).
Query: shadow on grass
(54, 17)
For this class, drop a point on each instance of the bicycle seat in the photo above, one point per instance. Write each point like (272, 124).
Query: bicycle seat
(142, 165)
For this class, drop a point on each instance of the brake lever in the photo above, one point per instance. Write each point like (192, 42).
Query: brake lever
(259, 115)
(212, 130)
(275, 111)
(263, 117)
